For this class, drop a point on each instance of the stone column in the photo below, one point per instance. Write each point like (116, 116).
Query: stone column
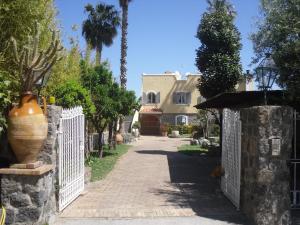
(48, 154)
(266, 147)
(28, 195)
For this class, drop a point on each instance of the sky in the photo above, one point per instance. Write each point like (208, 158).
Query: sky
(161, 34)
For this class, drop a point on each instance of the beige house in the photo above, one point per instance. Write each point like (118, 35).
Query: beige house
(170, 98)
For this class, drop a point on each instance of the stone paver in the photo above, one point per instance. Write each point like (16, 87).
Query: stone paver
(153, 180)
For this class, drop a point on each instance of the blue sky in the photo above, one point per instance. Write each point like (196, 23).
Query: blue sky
(161, 34)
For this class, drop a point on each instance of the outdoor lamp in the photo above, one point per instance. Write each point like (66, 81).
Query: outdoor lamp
(266, 74)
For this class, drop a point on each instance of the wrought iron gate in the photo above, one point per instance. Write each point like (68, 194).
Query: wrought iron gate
(231, 155)
(71, 156)
(295, 164)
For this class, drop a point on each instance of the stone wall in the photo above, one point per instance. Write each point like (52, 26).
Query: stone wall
(28, 199)
(265, 192)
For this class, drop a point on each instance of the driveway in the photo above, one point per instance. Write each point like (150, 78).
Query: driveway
(154, 184)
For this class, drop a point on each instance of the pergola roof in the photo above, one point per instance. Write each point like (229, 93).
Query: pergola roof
(243, 99)
(150, 110)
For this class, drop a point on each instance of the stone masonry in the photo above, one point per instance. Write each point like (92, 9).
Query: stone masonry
(48, 154)
(28, 199)
(266, 147)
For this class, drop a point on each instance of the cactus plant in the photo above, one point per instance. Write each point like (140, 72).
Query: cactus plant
(34, 64)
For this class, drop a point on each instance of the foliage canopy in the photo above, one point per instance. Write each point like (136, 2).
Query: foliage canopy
(71, 94)
(100, 28)
(278, 33)
(218, 57)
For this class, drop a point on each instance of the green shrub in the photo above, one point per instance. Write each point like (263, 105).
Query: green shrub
(4, 100)
(136, 125)
(215, 130)
(183, 129)
(71, 94)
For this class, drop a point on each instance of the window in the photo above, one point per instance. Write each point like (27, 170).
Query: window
(182, 98)
(151, 98)
(181, 120)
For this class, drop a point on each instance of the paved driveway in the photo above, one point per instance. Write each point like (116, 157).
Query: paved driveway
(154, 184)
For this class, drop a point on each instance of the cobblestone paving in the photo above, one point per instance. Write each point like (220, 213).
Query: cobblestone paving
(153, 180)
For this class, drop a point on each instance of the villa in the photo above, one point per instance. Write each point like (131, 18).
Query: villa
(170, 98)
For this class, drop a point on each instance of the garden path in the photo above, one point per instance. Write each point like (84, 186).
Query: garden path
(155, 184)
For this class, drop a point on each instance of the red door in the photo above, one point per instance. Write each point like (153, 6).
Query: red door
(150, 125)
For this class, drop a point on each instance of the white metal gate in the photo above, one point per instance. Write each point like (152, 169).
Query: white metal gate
(71, 156)
(231, 155)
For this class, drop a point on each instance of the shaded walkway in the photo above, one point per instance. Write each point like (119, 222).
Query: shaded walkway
(153, 180)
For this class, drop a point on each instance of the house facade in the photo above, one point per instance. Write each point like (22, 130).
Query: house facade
(170, 98)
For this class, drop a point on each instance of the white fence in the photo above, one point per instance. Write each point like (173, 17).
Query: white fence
(71, 156)
(231, 155)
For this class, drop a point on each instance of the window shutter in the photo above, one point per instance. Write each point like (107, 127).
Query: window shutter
(188, 98)
(144, 98)
(157, 97)
(175, 97)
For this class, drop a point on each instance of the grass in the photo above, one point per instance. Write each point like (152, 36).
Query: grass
(192, 150)
(101, 167)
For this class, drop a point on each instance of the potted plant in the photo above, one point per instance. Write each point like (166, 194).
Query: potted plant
(27, 124)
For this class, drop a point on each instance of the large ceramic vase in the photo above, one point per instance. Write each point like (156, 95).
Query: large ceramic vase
(27, 129)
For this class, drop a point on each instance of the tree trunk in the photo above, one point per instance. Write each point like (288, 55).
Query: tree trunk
(121, 127)
(115, 134)
(100, 152)
(110, 135)
(98, 55)
(123, 69)
(88, 51)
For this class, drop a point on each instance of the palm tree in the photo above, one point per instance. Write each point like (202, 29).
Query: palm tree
(123, 70)
(100, 28)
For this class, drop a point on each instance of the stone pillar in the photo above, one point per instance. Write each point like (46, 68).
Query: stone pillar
(266, 147)
(28, 195)
(48, 154)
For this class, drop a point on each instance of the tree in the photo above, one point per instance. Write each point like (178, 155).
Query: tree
(218, 57)
(100, 28)
(104, 92)
(109, 98)
(123, 70)
(278, 33)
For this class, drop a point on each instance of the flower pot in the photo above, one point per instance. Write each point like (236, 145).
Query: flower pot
(164, 133)
(27, 129)
(119, 138)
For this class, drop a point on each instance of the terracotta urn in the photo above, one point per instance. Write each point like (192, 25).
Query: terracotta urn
(119, 138)
(27, 128)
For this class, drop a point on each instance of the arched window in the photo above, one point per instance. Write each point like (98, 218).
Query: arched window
(151, 98)
(181, 120)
